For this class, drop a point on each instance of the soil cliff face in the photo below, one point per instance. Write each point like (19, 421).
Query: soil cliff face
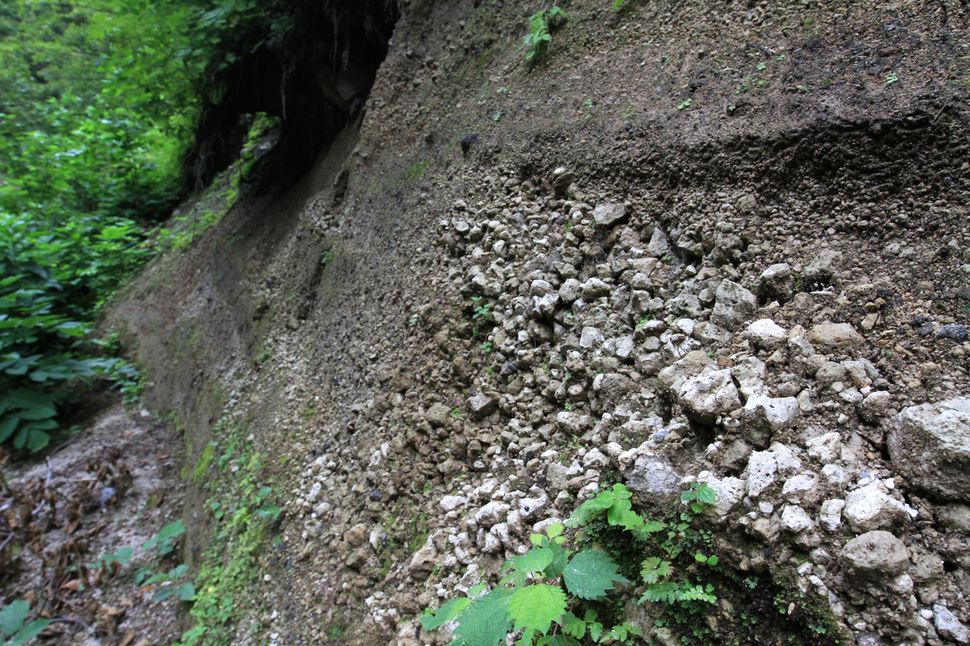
(694, 242)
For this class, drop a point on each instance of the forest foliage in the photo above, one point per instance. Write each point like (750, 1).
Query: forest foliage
(98, 103)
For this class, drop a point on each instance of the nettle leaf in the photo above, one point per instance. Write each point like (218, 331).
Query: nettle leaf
(486, 621)
(444, 614)
(590, 574)
(535, 607)
(535, 560)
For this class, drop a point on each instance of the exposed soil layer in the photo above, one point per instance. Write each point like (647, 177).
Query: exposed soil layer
(333, 316)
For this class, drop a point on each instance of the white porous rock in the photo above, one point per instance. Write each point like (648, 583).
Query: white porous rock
(766, 334)
(825, 448)
(591, 337)
(802, 488)
(869, 508)
(492, 513)
(529, 507)
(734, 305)
(834, 474)
(764, 416)
(761, 472)
(750, 373)
(796, 520)
(450, 503)
(595, 459)
(830, 515)
(673, 376)
(709, 395)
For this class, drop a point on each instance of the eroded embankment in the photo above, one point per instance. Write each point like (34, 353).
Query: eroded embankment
(456, 343)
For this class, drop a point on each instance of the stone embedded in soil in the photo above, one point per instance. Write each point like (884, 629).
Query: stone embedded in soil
(763, 416)
(953, 332)
(766, 334)
(609, 214)
(834, 336)
(482, 405)
(875, 555)
(870, 507)
(709, 395)
(949, 626)
(734, 305)
(776, 283)
(652, 475)
(929, 445)
(438, 415)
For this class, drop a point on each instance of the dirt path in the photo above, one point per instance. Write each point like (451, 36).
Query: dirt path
(111, 487)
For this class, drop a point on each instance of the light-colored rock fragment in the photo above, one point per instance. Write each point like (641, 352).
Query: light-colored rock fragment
(830, 515)
(825, 448)
(761, 472)
(870, 507)
(948, 626)
(764, 416)
(734, 305)
(929, 445)
(796, 520)
(709, 395)
(832, 337)
(766, 334)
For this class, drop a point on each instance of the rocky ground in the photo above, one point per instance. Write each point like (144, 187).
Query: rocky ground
(694, 244)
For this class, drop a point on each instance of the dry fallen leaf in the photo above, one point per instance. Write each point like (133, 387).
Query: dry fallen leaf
(129, 637)
(73, 586)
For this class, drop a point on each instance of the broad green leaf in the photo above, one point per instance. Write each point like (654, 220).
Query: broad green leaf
(535, 607)
(486, 622)
(36, 440)
(29, 631)
(8, 424)
(13, 615)
(535, 560)
(591, 574)
(573, 626)
(620, 492)
(617, 511)
(169, 531)
(554, 530)
(560, 558)
(432, 620)
(706, 495)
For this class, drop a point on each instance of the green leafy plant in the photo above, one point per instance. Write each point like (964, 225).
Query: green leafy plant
(544, 592)
(184, 591)
(536, 602)
(892, 78)
(541, 26)
(13, 624)
(165, 540)
(685, 104)
(482, 314)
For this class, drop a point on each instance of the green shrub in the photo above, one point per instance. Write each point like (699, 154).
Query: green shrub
(541, 26)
